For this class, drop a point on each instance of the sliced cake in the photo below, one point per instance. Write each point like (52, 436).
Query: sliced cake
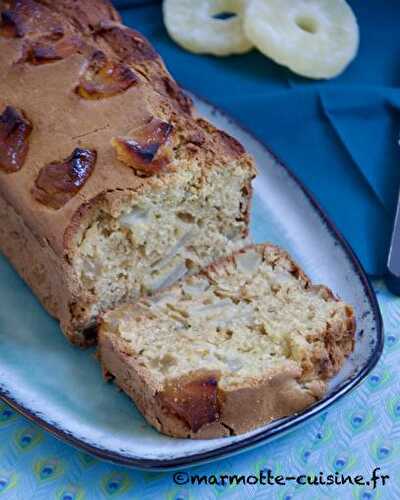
(247, 340)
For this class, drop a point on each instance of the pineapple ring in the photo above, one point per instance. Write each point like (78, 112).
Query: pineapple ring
(314, 38)
(193, 25)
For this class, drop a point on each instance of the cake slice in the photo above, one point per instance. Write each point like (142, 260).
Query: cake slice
(247, 340)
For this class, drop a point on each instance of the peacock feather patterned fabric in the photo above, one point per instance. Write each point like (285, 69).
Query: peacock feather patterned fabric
(357, 435)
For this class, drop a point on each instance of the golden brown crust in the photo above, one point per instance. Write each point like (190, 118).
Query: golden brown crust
(46, 48)
(35, 261)
(179, 408)
(28, 17)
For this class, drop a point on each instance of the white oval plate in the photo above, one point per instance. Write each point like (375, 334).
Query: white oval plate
(61, 388)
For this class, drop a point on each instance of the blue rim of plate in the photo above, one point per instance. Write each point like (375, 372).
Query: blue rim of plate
(274, 430)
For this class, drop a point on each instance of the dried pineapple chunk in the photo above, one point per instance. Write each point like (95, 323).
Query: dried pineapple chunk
(314, 38)
(194, 26)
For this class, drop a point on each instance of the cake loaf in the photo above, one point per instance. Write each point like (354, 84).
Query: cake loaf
(245, 341)
(110, 186)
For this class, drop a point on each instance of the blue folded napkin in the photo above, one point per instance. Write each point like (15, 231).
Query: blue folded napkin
(339, 137)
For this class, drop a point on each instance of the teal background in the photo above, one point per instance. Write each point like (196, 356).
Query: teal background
(359, 433)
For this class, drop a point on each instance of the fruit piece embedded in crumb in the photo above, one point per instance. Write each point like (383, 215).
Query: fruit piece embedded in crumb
(194, 399)
(314, 38)
(145, 149)
(15, 130)
(202, 27)
(104, 78)
(58, 182)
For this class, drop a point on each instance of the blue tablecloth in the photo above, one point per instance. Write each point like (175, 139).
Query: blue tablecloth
(355, 436)
(338, 136)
